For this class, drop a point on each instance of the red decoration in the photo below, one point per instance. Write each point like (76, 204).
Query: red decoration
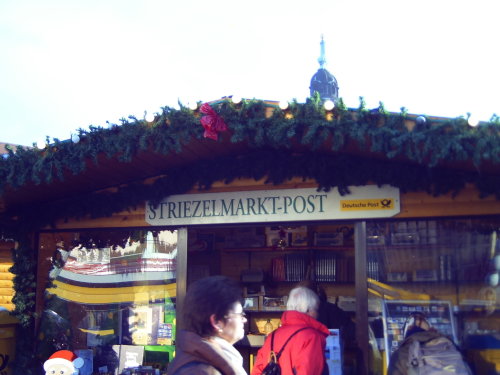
(212, 122)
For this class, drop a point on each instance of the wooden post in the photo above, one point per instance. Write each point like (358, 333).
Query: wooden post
(181, 273)
(361, 296)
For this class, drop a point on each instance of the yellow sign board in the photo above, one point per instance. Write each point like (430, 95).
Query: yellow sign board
(367, 204)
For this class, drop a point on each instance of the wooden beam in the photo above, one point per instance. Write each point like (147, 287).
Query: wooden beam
(361, 295)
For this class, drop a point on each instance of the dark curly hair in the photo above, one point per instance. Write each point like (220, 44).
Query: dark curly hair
(205, 297)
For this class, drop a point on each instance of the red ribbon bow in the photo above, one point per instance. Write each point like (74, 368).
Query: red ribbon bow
(211, 122)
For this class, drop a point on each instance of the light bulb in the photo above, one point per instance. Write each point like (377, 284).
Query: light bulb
(496, 262)
(75, 138)
(193, 105)
(283, 104)
(235, 99)
(473, 121)
(41, 144)
(329, 105)
(493, 279)
(149, 117)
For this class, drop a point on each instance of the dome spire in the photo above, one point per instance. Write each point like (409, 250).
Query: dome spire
(322, 58)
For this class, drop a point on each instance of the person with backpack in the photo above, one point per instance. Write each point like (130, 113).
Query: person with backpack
(426, 351)
(298, 346)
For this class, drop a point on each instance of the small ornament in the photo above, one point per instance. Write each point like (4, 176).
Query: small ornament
(268, 327)
(63, 362)
(420, 120)
(282, 243)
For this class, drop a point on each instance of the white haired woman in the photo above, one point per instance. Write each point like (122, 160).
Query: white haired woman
(304, 354)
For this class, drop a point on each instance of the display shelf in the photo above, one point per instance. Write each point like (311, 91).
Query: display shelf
(406, 247)
(289, 249)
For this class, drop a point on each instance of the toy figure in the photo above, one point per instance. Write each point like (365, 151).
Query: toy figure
(63, 362)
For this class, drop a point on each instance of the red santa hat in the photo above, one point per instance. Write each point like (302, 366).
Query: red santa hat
(64, 357)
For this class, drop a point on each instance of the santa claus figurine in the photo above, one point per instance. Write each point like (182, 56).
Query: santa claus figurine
(63, 362)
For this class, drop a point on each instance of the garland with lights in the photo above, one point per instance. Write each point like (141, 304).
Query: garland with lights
(430, 143)
(413, 160)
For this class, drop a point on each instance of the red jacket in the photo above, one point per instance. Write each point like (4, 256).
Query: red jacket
(306, 350)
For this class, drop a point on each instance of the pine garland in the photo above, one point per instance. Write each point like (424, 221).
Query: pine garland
(430, 144)
(303, 141)
(24, 270)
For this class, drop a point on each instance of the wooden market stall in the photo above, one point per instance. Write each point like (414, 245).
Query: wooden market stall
(416, 220)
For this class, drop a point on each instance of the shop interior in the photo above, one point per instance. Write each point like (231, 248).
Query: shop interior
(446, 268)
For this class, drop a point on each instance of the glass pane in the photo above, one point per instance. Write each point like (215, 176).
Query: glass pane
(447, 270)
(109, 297)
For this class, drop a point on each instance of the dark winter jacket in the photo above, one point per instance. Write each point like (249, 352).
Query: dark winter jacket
(304, 354)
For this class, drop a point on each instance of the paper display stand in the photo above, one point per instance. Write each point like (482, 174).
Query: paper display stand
(333, 352)
(396, 312)
(130, 356)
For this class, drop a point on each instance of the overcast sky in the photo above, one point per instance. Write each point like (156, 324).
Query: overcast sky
(67, 64)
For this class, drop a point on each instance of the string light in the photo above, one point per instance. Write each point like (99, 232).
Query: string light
(193, 105)
(472, 121)
(75, 138)
(329, 105)
(149, 117)
(236, 99)
(283, 104)
(41, 144)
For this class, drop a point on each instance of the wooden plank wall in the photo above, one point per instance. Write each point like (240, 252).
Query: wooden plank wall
(6, 284)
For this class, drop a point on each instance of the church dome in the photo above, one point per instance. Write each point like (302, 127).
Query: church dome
(323, 81)
(325, 84)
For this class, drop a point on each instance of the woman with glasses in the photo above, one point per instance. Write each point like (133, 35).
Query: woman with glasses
(213, 321)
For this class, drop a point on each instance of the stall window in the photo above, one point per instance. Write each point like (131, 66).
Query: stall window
(447, 269)
(109, 296)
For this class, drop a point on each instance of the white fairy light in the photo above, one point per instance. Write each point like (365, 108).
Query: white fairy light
(329, 105)
(149, 116)
(283, 104)
(41, 144)
(75, 138)
(473, 121)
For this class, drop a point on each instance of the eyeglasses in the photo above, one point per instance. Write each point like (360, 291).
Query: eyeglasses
(241, 314)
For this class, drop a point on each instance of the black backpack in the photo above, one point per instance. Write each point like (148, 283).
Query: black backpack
(273, 367)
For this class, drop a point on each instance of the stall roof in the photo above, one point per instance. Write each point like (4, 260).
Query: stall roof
(107, 172)
(260, 132)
